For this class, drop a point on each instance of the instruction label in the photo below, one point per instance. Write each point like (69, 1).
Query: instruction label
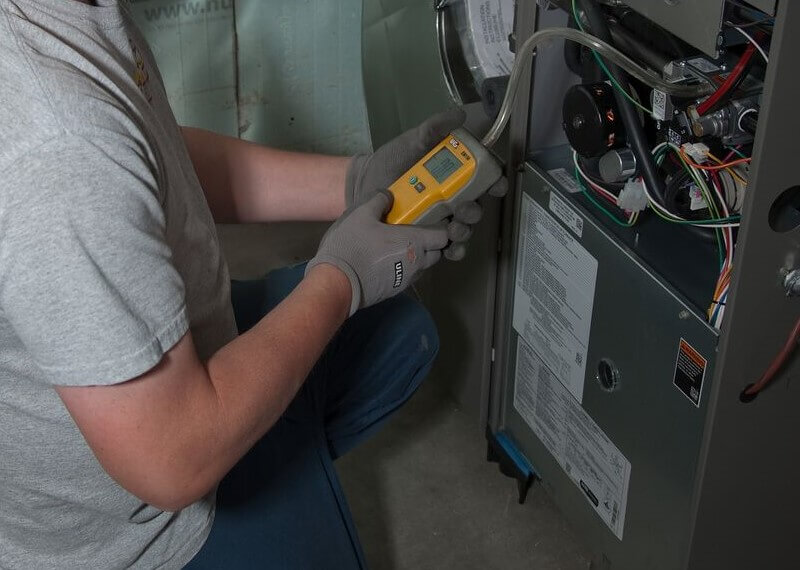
(596, 466)
(566, 214)
(491, 22)
(566, 181)
(554, 294)
(690, 370)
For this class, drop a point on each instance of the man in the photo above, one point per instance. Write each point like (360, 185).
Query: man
(126, 395)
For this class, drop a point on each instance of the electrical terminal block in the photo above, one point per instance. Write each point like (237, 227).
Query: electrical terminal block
(633, 197)
(698, 152)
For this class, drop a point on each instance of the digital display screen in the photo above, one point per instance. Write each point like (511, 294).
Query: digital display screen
(442, 164)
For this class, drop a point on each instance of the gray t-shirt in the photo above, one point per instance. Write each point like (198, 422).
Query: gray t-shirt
(108, 255)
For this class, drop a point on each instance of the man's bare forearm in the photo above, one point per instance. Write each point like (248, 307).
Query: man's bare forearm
(273, 359)
(245, 182)
(171, 435)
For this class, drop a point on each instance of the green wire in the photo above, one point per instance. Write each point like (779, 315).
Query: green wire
(599, 205)
(618, 86)
(737, 151)
(712, 206)
(605, 69)
(706, 195)
(730, 219)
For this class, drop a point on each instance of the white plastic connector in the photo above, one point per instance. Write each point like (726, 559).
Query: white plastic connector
(698, 152)
(633, 197)
(696, 199)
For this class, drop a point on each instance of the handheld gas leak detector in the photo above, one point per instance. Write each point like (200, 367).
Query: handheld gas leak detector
(458, 169)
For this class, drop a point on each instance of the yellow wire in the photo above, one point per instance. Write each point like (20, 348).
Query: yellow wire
(729, 169)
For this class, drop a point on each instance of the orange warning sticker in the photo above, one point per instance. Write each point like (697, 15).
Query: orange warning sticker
(690, 370)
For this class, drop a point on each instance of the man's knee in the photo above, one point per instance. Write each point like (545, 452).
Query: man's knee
(413, 327)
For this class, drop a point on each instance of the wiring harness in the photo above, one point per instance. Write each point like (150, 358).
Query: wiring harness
(715, 185)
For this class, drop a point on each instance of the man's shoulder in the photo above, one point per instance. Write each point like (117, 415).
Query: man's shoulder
(26, 116)
(52, 89)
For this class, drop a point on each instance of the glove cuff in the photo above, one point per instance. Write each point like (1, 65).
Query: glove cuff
(352, 181)
(344, 267)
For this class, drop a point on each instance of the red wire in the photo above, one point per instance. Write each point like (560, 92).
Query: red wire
(777, 362)
(703, 107)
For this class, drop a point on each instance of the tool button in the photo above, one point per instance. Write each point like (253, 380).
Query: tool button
(413, 180)
(419, 187)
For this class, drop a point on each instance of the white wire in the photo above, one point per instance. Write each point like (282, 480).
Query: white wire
(591, 182)
(739, 122)
(663, 210)
(719, 309)
(754, 42)
(718, 226)
(675, 217)
(728, 234)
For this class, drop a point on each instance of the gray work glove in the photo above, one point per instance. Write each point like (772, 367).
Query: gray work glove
(368, 173)
(379, 259)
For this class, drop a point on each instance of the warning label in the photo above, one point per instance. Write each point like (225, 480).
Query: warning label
(690, 370)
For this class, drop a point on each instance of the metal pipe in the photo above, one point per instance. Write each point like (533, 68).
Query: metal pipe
(629, 43)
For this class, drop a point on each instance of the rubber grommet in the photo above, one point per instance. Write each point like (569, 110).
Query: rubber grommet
(746, 398)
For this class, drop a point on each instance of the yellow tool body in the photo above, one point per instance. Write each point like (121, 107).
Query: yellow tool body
(456, 170)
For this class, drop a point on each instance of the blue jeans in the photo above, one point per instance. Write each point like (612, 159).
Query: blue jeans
(282, 506)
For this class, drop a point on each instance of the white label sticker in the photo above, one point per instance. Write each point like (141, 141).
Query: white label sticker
(554, 294)
(659, 105)
(490, 23)
(579, 445)
(566, 181)
(567, 215)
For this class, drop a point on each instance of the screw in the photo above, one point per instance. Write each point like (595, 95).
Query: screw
(684, 314)
(578, 121)
(792, 283)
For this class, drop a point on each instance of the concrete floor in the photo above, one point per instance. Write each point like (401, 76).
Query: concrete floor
(421, 491)
(424, 497)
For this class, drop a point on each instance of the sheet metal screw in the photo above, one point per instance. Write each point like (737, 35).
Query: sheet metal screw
(792, 283)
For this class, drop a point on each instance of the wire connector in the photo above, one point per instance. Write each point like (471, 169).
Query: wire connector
(633, 197)
(698, 152)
